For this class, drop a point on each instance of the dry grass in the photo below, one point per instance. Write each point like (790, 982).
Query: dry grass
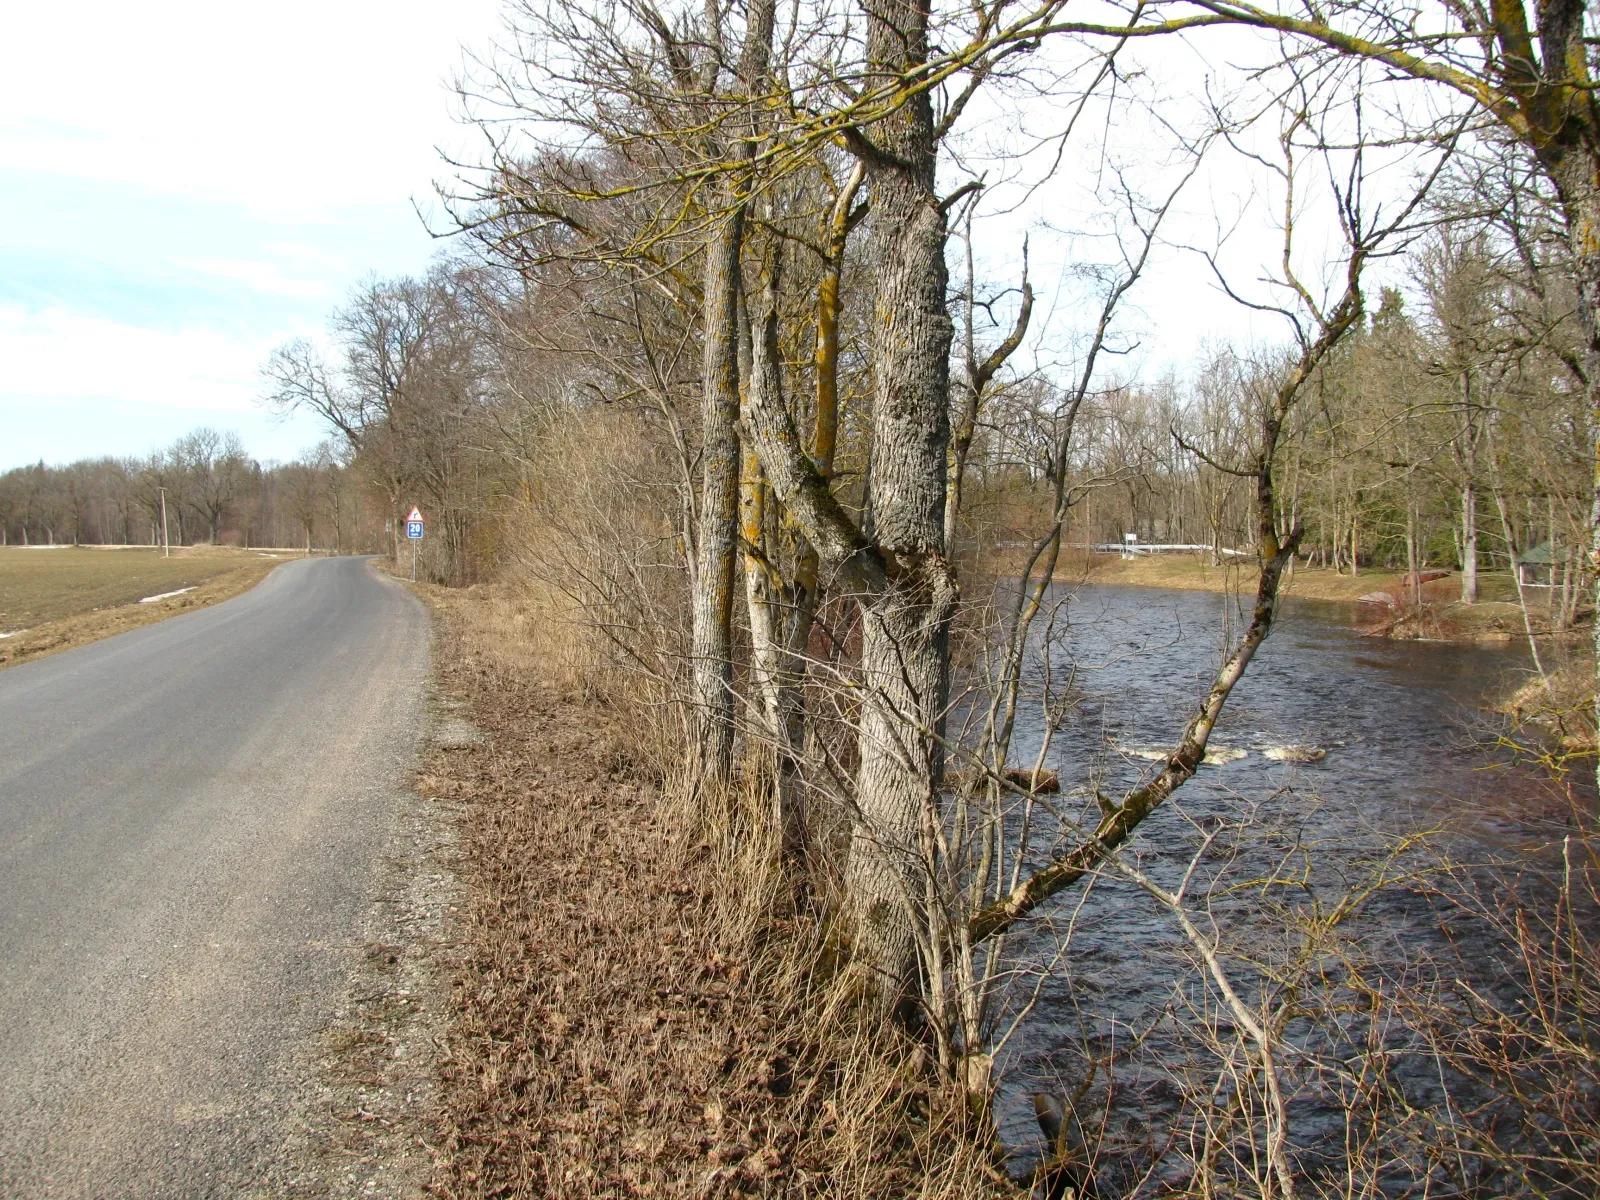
(1186, 572)
(1486, 621)
(40, 585)
(53, 600)
(636, 1015)
(1561, 707)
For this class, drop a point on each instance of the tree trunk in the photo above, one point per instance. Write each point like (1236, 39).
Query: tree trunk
(711, 603)
(781, 614)
(1468, 458)
(905, 627)
(1575, 170)
(1469, 543)
(394, 524)
(1413, 565)
(710, 642)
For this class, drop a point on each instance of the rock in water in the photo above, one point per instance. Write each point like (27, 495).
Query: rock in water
(1215, 756)
(1295, 754)
(1063, 1175)
(1041, 782)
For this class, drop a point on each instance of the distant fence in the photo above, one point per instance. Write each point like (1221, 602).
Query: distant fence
(1133, 548)
(1129, 549)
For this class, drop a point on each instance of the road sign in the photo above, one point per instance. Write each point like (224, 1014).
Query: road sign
(414, 515)
(413, 529)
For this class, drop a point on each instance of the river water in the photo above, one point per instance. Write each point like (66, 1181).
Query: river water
(1402, 727)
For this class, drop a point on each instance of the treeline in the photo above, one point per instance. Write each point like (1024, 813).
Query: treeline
(432, 401)
(1450, 430)
(214, 493)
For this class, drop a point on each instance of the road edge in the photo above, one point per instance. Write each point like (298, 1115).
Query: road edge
(364, 1125)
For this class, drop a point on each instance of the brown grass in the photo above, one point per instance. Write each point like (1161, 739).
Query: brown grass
(1186, 572)
(1561, 706)
(635, 1014)
(59, 599)
(1486, 621)
(39, 585)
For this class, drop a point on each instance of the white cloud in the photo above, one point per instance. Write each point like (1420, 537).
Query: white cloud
(295, 109)
(261, 276)
(61, 355)
(270, 150)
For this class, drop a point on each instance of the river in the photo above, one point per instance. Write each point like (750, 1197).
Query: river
(1402, 727)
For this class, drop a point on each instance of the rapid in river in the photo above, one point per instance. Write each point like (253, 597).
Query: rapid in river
(1333, 747)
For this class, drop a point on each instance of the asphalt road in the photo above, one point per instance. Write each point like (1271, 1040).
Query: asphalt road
(190, 817)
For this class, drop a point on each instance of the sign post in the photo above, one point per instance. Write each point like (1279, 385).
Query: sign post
(414, 535)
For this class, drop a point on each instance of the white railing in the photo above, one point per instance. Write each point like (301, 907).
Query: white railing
(1152, 548)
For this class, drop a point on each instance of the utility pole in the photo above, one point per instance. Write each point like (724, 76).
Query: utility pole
(166, 547)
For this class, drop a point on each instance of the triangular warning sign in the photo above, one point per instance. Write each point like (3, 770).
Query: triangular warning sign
(416, 514)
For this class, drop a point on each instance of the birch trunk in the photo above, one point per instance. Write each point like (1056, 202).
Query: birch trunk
(1467, 459)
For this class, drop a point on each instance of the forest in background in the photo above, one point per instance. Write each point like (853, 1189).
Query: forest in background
(216, 494)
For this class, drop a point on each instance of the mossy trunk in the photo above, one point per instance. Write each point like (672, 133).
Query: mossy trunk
(905, 626)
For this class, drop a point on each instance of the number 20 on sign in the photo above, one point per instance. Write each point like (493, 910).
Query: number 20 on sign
(413, 529)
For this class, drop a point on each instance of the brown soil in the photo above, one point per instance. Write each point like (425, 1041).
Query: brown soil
(611, 1033)
(221, 577)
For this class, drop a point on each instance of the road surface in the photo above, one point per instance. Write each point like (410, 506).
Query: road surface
(190, 815)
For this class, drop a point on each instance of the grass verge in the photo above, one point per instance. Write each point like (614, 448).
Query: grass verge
(633, 1014)
(71, 587)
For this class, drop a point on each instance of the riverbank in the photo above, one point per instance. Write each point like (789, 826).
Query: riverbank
(1560, 708)
(631, 1013)
(1495, 618)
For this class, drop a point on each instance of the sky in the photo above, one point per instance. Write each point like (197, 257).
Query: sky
(184, 186)
(1065, 202)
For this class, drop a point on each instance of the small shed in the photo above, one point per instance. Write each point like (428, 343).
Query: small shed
(1536, 567)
